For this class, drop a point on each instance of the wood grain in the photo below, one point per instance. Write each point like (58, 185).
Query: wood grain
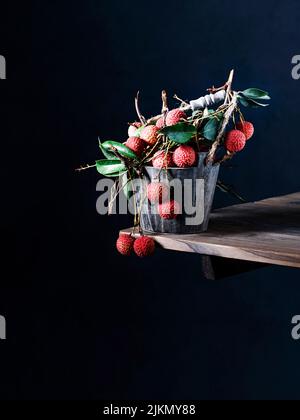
(267, 231)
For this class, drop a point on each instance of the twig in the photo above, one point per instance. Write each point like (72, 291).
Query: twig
(165, 108)
(164, 98)
(229, 86)
(225, 158)
(113, 197)
(153, 120)
(183, 103)
(84, 168)
(142, 119)
(117, 190)
(227, 116)
(215, 90)
(144, 160)
(230, 190)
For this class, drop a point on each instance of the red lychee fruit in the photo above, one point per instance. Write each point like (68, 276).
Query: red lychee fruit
(157, 192)
(136, 144)
(247, 128)
(160, 123)
(149, 134)
(169, 210)
(144, 246)
(184, 156)
(125, 244)
(175, 116)
(133, 129)
(235, 141)
(162, 160)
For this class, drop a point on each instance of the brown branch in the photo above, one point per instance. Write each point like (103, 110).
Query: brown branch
(225, 158)
(226, 87)
(183, 103)
(227, 116)
(84, 168)
(113, 196)
(229, 86)
(141, 118)
(215, 90)
(164, 98)
(153, 120)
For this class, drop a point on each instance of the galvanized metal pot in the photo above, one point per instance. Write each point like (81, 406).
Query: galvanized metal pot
(151, 221)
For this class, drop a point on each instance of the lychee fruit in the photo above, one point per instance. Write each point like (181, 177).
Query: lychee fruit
(144, 246)
(150, 134)
(162, 160)
(184, 156)
(157, 192)
(169, 210)
(247, 128)
(160, 123)
(125, 244)
(235, 141)
(175, 116)
(136, 144)
(132, 130)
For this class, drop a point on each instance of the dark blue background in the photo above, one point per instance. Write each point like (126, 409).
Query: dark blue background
(83, 323)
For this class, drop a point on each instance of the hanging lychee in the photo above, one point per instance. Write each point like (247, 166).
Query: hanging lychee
(157, 192)
(125, 244)
(144, 246)
(150, 134)
(235, 141)
(175, 116)
(136, 144)
(169, 210)
(162, 160)
(247, 128)
(184, 156)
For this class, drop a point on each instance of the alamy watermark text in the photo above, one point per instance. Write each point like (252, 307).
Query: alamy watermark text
(296, 67)
(2, 328)
(2, 67)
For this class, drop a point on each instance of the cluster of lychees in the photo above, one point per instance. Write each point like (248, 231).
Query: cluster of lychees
(144, 246)
(236, 139)
(182, 157)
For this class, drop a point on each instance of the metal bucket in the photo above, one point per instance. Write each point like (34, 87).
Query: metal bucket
(207, 176)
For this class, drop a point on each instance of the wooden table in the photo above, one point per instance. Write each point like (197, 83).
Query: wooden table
(265, 232)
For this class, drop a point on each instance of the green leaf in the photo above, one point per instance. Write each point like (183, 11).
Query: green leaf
(243, 101)
(106, 153)
(116, 174)
(121, 148)
(254, 93)
(247, 102)
(180, 133)
(211, 128)
(111, 168)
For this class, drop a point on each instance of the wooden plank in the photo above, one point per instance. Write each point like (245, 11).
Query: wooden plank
(267, 232)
